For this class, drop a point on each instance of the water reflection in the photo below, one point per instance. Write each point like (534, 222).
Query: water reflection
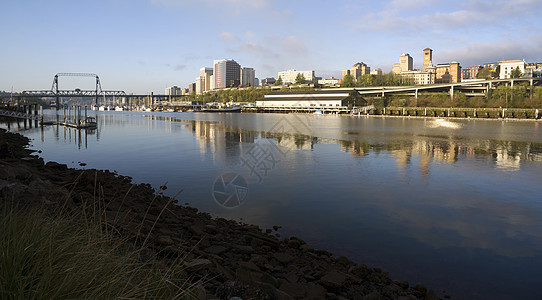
(455, 208)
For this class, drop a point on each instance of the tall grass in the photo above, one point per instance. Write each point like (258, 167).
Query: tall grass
(58, 256)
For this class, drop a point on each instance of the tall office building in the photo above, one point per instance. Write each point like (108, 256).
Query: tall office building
(427, 58)
(406, 62)
(173, 90)
(248, 76)
(227, 73)
(359, 69)
(205, 74)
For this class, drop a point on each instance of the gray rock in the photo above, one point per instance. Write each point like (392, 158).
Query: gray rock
(210, 229)
(333, 279)
(245, 249)
(295, 290)
(249, 266)
(372, 296)
(197, 265)
(164, 240)
(294, 244)
(306, 248)
(283, 258)
(216, 249)
(315, 291)
(291, 277)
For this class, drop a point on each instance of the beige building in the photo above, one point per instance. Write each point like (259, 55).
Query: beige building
(376, 72)
(419, 77)
(203, 82)
(427, 58)
(359, 69)
(405, 64)
(396, 69)
(448, 73)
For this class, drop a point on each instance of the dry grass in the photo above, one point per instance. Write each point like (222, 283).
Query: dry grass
(58, 256)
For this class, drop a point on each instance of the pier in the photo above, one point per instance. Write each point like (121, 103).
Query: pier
(75, 117)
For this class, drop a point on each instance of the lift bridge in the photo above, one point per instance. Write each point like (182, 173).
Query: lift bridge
(56, 92)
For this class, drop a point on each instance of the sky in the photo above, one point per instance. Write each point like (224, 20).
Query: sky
(143, 46)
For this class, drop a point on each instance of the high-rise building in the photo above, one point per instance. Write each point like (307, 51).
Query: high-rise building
(427, 58)
(406, 62)
(203, 82)
(227, 73)
(200, 85)
(248, 77)
(191, 88)
(173, 90)
(359, 69)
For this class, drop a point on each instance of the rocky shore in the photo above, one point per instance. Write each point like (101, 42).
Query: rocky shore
(226, 258)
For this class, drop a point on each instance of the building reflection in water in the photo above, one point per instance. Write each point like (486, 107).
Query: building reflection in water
(226, 143)
(506, 156)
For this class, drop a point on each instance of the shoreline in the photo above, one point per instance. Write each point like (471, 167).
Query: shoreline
(232, 259)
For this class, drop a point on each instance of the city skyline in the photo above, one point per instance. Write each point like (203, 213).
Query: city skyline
(147, 45)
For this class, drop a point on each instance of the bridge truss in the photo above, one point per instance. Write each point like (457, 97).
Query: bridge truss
(56, 92)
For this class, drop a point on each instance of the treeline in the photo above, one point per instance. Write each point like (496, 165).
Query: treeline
(368, 80)
(502, 96)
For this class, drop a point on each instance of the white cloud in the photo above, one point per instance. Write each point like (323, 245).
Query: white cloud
(293, 44)
(228, 36)
(479, 53)
(468, 14)
(250, 35)
(180, 67)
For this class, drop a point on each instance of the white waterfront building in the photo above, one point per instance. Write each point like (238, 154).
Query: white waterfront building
(310, 99)
(289, 76)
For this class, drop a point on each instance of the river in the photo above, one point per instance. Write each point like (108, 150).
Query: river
(455, 205)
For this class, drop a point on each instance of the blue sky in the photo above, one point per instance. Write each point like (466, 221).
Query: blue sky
(143, 46)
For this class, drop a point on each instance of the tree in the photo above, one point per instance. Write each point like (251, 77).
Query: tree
(366, 80)
(279, 81)
(484, 73)
(516, 73)
(348, 81)
(300, 79)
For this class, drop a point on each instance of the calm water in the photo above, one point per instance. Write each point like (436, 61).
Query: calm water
(454, 205)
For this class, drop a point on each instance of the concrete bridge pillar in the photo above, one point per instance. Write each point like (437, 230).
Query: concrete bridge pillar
(416, 95)
(452, 91)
